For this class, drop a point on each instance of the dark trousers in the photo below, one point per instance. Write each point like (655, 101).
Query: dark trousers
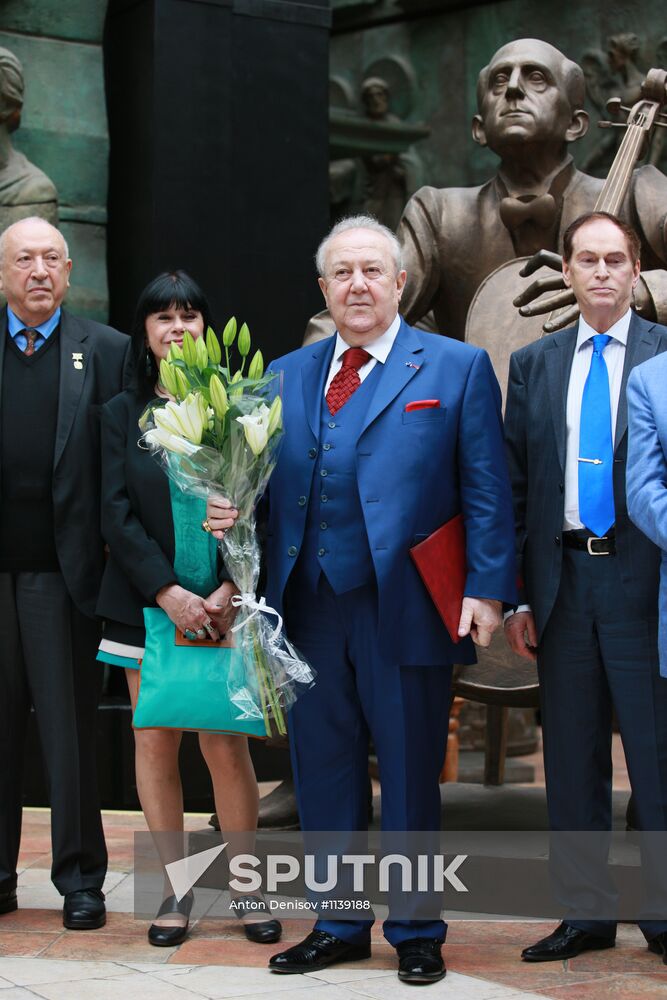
(595, 656)
(359, 692)
(47, 659)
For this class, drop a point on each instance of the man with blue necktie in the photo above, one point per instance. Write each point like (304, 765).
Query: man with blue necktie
(589, 578)
(389, 433)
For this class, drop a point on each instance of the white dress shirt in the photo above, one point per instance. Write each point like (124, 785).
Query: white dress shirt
(378, 349)
(614, 356)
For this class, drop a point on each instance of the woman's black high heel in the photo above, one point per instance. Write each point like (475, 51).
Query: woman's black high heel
(167, 937)
(262, 932)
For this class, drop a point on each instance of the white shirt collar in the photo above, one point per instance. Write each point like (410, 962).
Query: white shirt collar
(378, 348)
(619, 331)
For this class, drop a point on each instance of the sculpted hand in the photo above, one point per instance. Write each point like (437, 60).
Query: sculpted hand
(479, 618)
(187, 611)
(526, 301)
(219, 606)
(521, 634)
(220, 515)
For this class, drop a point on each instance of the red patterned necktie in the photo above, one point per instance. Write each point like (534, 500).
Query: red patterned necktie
(347, 380)
(31, 337)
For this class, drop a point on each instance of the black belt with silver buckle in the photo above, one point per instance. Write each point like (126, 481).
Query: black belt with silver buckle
(585, 542)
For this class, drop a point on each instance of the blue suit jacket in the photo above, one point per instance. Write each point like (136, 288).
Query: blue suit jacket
(647, 467)
(415, 471)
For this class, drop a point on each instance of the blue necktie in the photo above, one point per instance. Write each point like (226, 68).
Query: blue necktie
(596, 447)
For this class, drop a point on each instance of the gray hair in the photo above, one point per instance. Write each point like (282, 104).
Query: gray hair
(358, 222)
(30, 218)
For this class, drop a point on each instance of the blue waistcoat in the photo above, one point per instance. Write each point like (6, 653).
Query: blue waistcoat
(336, 541)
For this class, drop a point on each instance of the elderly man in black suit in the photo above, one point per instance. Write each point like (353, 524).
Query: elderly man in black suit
(56, 370)
(590, 577)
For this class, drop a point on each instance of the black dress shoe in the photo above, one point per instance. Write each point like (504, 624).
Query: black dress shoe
(8, 901)
(169, 937)
(84, 910)
(420, 961)
(565, 942)
(262, 931)
(658, 945)
(317, 951)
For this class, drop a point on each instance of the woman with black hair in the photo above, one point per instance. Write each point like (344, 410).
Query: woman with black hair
(142, 571)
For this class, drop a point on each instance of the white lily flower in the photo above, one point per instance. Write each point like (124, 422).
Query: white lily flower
(256, 428)
(158, 437)
(186, 419)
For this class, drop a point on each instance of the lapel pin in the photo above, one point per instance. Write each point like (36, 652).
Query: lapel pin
(410, 364)
(77, 361)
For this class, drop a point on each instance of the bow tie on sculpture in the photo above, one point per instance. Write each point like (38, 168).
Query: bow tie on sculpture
(540, 209)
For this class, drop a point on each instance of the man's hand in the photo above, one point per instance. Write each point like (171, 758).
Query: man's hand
(220, 515)
(479, 618)
(219, 606)
(521, 634)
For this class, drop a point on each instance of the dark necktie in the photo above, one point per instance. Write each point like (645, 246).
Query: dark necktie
(346, 381)
(596, 447)
(30, 336)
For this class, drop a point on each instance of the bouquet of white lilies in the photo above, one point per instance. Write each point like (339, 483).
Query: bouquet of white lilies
(220, 433)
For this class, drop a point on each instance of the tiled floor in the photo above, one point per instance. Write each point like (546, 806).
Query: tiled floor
(38, 958)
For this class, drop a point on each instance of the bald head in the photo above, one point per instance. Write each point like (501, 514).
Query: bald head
(568, 74)
(34, 269)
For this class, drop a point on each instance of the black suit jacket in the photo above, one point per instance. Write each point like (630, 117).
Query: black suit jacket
(76, 459)
(136, 517)
(535, 432)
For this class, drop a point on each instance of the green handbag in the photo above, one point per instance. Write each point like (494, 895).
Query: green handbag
(183, 686)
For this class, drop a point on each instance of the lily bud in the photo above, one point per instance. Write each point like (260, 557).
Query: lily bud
(244, 341)
(275, 419)
(229, 333)
(181, 383)
(201, 354)
(235, 393)
(219, 400)
(256, 369)
(189, 350)
(213, 347)
(167, 379)
(175, 352)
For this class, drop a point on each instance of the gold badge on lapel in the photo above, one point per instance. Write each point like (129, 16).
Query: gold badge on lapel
(77, 361)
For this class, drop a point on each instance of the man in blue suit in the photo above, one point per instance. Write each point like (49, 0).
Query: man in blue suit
(647, 469)
(589, 577)
(389, 433)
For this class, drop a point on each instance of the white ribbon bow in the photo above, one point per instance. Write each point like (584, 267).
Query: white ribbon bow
(249, 600)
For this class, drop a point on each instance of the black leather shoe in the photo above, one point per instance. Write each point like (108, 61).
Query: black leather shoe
(262, 931)
(658, 945)
(565, 942)
(8, 901)
(317, 951)
(169, 937)
(420, 961)
(84, 910)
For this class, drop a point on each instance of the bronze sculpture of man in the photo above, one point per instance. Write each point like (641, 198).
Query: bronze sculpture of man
(25, 190)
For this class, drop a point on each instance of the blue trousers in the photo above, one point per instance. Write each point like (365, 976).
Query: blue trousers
(360, 693)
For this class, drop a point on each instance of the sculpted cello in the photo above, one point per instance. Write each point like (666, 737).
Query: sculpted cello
(493, 322)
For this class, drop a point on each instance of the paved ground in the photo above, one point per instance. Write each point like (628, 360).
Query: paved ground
(38, 958)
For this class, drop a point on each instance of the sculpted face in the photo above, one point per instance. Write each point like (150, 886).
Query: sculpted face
(523, 97)
(601, 273)
(361, 287)
(34, 270)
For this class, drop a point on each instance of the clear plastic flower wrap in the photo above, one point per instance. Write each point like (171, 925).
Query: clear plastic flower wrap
(221, 434)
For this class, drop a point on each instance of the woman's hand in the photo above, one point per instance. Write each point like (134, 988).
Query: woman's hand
(220, 608)
(188, 612)
(220, 515)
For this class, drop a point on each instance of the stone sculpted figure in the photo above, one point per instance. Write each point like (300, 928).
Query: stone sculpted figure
(25, 190)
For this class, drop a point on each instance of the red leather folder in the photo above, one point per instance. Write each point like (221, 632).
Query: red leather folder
(441, 562)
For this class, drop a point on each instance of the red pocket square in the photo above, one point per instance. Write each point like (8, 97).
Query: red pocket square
(422, 404)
